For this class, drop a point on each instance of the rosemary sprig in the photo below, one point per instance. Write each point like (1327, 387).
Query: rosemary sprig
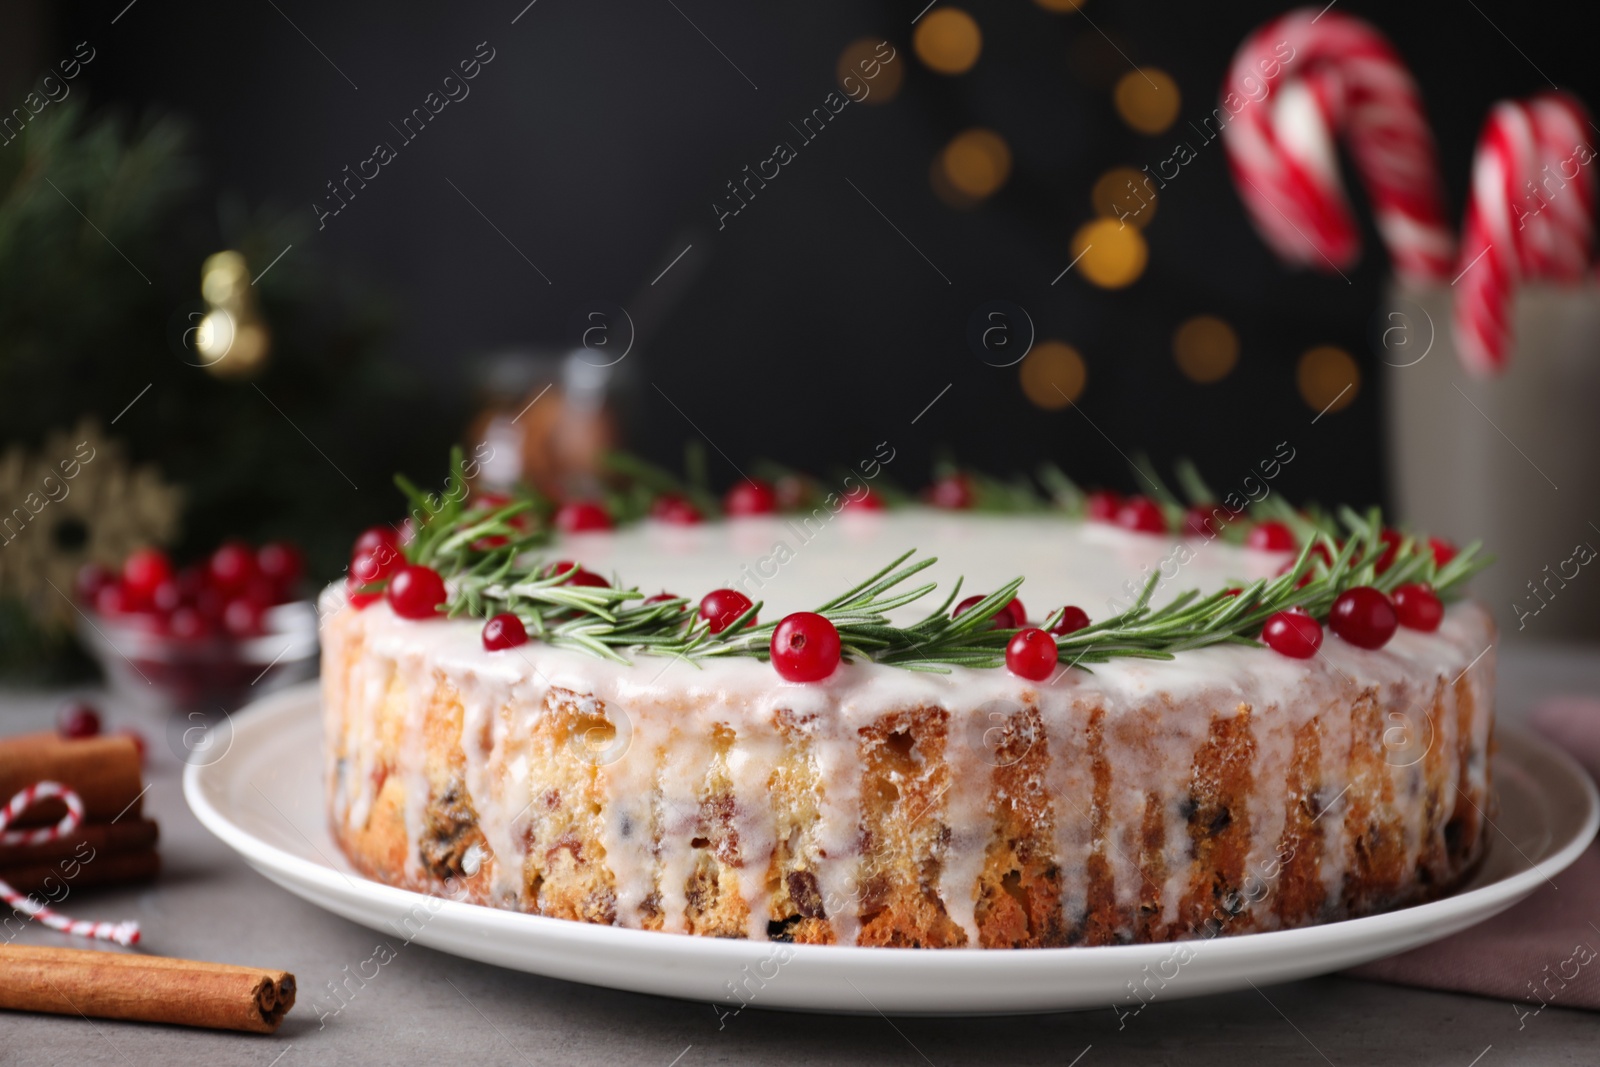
(489, 560)
(644, 481)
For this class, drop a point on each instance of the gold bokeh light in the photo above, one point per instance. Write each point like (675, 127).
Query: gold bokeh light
(976, 162)
(867, 78)
(948, 40)
(1328, 378)
(1147, 99)
(1125, 194)
(948, 194)
(1053, 375)
(1206, 348)
(1109, 254)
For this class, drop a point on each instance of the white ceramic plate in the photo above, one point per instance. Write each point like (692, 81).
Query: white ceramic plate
(264, 798)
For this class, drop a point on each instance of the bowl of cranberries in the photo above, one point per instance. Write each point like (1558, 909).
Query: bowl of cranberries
(212, 635)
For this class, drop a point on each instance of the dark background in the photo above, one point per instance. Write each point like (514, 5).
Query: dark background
(599, 136)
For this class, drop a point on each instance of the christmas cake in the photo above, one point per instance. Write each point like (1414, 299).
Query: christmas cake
(1251, 724)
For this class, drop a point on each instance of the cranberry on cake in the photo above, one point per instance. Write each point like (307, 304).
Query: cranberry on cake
(744, 728)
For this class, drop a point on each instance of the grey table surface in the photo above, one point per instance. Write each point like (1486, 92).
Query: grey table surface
(427, 1007)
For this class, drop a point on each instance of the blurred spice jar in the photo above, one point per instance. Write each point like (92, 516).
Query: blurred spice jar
(548, 421)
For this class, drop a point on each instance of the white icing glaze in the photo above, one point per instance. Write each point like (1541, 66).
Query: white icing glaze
(773, 561)
(653, 778)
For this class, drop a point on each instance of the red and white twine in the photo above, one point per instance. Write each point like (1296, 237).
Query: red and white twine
(123, 933)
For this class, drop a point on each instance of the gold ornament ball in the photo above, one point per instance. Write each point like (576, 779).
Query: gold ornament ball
(1060, 5)
(1053, 375)
(1328, 378)
(977, 162)
(1125, 194)
(948, 40)
(232, 346)
(1110, 254)
(224, 279)
(1206, 349)
(1147, 99)
(860, 69)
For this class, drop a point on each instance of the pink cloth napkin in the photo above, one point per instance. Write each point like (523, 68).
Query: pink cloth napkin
(1545, 950)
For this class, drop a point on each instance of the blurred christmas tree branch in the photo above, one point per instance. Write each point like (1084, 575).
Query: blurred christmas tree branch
(104, 224)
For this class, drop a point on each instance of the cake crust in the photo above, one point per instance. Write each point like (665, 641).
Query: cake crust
(1226, 792)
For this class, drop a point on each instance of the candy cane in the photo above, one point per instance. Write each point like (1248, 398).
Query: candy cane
(1291, 85)
(123, 933)
(1530, 217)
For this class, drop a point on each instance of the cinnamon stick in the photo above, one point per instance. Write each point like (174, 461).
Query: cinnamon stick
(52, 880)
(152, 989)
(103, 771)
(91, 839)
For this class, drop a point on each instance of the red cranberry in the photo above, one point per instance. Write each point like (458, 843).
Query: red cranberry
(1271, 536)
(1200, 520)
(145, 569)
(1142, 514)
(1389, 540)
(577, 516)
(1418, 607)
(188, 624)
(242, 617)
(721, 607)
(117, 599)
(281, 563)
(951, 491)
(664, 597)
(168, 595)
(232, 565)
(489, 500)
(375, 564)
(210, 603)
(1102, 505)
(354, 595)
(416, 592)
(374, 538)
(504, 631)
(92, 578)
(1363, 616)
(675, 510)
(805, 647)
(1292, 633)
(1031, 654)
(192, 581)
(751, 497)
(867, 501)
(1443, 551)
(77, 720)
(264, 593)
(1072, 620)
(1010, 617)
(579, 577)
